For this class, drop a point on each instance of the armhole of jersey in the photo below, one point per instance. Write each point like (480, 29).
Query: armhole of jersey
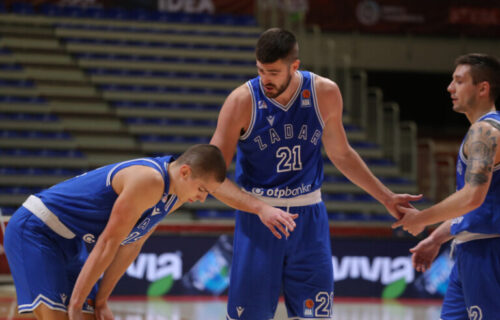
(315, 99)
(120, 165)
(254, 110)
(461, 153)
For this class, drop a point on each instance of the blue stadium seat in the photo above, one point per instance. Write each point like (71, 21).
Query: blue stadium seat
(17, 83)
(165, 105)
(172, 122)
(162, 74)
(40, 171)
(173, 139)
(29, 116)
(47, 153)
(33, 134)
(19, 190)
(22, 8)
(17, 99)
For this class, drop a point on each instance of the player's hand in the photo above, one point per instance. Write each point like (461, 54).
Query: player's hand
(424, 253)
(400, 200)
(75, 312)
(274, 218)
(410, 220)
(103, 312)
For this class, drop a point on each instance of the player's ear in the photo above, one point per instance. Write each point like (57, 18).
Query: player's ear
(484, 88)
(185, 171)
(295, 65)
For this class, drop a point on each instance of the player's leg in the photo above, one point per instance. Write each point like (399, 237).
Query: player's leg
(481, 289)
(454, 304)
(256, 270)
(38, 259)
(308, 274)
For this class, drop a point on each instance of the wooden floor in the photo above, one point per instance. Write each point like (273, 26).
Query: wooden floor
(215, 309)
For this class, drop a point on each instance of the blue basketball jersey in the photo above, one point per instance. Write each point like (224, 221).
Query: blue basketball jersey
(83, 204)
(486, 218)
(279, 155)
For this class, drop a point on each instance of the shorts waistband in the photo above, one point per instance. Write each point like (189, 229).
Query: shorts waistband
(466, 236)
(38, 208)
(299, 201)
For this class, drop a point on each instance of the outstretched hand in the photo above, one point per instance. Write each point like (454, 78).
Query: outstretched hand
(409, 221)
(274, 218)
(401, 200)
(424, 254)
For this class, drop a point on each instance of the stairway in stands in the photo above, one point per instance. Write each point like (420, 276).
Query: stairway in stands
(80, 88)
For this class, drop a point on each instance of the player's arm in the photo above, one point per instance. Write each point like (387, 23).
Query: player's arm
(138, 188)
(481, 150)
(234, 119)
(343, 156)
(124, 257)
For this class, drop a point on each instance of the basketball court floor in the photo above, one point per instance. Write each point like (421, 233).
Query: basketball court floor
(138, 308)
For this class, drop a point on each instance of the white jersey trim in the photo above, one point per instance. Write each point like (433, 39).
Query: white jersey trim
(38, 208)
(254, 113)
(108, 178)
(25, 308)
(315, 99)
(466, 236)
(299, 201)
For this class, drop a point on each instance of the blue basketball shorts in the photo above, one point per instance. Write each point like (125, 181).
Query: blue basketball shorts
(44, 265)
(474, 288)
(300, 266)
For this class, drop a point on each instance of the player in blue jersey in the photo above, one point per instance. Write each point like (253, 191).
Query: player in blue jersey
(116, 207)
(278, 123)
(471, 215)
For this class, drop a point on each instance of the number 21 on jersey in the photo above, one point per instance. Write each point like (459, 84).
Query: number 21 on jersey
(289, 159)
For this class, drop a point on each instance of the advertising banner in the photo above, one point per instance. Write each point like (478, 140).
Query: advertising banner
(245, 7)
(200, 265)
(444, 17)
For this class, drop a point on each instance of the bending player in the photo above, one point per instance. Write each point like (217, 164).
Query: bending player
(117, 207)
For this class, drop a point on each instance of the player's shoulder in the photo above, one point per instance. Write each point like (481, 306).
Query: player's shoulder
(241, 94)
(486, 125)
(324, 85)
(493, 122)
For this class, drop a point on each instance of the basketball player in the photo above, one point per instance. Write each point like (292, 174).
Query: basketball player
(471, 215)
(115, 207)
(278, 122)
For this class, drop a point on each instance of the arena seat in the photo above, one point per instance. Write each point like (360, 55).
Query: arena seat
(83, 87)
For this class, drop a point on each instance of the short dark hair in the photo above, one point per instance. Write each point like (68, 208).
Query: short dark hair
(483, 67)
(275, 44)
(205, 159)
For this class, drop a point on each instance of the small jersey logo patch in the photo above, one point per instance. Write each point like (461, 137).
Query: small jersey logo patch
(89, 238)
(240, 310)
(308, 307)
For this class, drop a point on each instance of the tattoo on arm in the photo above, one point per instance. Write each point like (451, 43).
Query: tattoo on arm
(481, 146)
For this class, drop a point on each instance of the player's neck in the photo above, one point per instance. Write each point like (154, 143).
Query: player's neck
(287, 95)
(477, 113)
(173, 173)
